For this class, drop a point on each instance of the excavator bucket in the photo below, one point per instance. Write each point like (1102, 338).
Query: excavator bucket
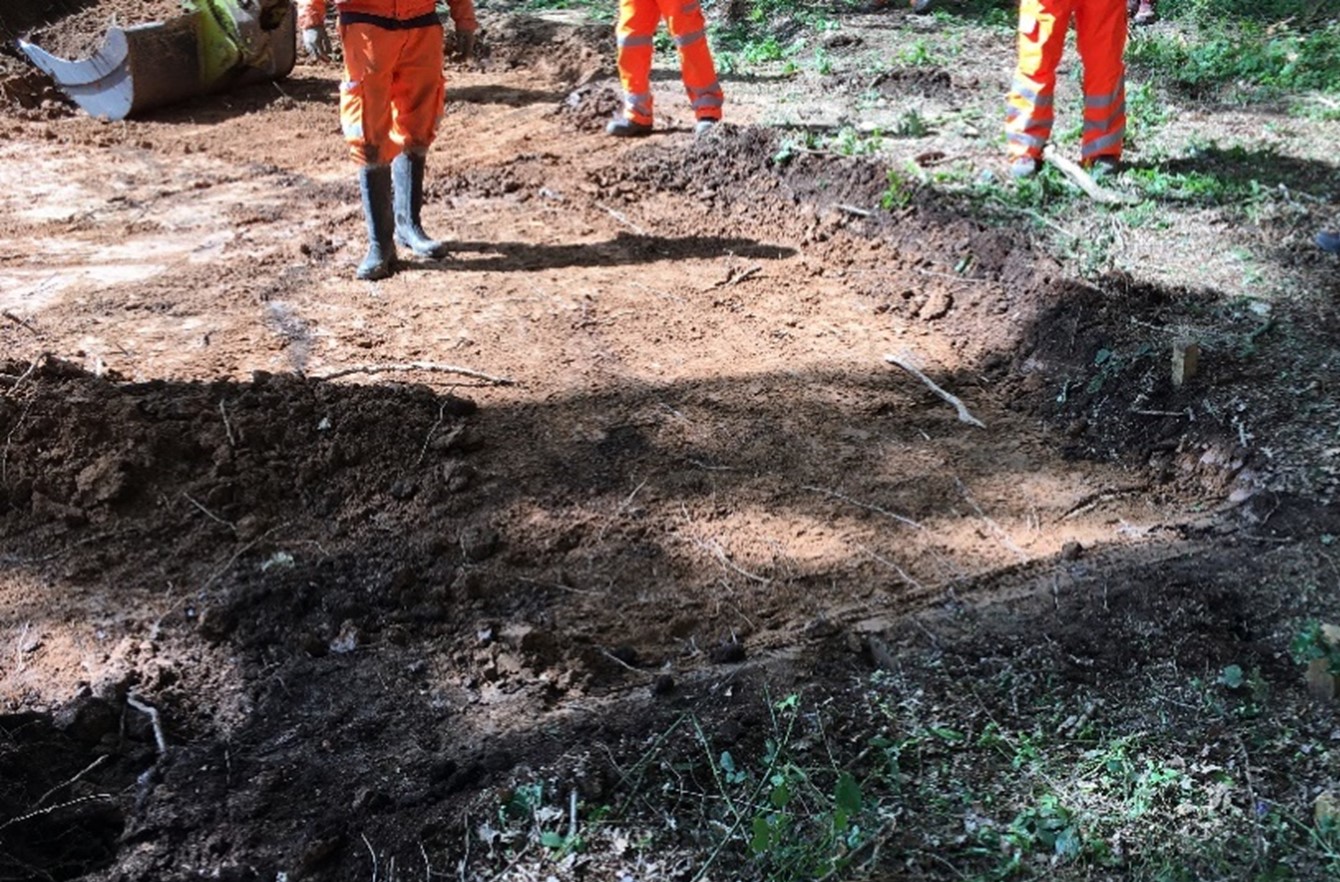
(219, 45)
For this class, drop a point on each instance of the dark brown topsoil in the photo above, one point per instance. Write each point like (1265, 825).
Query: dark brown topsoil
(363, 612)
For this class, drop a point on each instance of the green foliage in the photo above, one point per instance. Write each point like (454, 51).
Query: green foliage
(798, 821)
(1243, 54)
(1311, 644)
(899, 192)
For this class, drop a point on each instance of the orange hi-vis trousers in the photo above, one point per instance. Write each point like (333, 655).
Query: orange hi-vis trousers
(1100, 34)
(392, 97)
(638, 20)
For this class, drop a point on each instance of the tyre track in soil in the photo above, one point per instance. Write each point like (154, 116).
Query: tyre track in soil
(703, 446)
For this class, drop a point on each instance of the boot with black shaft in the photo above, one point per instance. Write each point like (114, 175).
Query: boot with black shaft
(407, 173)
(375, 183)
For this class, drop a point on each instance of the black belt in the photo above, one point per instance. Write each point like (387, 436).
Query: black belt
(427, 20)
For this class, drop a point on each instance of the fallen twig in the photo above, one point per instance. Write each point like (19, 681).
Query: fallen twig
(995, 527)
(964, 415)
(715, 549)
(49, 809)
(734, 278)
(425, 366)
(21, 322)
(88, 768)
(875, 508)
(209, 514)
(852, 209)
(614, 658)
(227, 426)
(1085, 181)
(154, 719)
(621, 218)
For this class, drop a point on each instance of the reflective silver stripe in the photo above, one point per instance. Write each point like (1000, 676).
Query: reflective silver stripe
(1097, 101)
(707, 101)
(1104, 144)
(633, 41)
(1029, 94)
(1102, 125)
(689, 8)
(354, 131)
(638, 103)
(686, 39)
(1027, 140)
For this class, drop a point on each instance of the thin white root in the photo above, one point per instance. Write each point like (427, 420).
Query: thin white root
(425, 366)
(152, 713)
(1085, 181)
(964, 415)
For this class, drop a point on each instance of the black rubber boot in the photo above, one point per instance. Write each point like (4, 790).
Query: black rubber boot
(375, 182)
(407, 173)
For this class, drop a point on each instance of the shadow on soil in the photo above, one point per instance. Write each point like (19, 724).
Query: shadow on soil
(364, 612)
(385, 621)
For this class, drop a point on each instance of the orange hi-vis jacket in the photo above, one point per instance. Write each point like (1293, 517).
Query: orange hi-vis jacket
(397, 13)
(1100, 36)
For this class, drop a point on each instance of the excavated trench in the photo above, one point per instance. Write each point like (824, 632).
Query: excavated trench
(365, 613)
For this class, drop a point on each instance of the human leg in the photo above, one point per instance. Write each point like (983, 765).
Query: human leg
(1029, 110)
(1100, 35)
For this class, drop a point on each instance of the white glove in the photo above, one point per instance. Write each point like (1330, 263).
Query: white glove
(316, 43)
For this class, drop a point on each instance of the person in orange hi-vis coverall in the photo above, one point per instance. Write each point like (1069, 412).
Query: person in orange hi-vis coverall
(1100, 34)
(638, 20)
(391, 103)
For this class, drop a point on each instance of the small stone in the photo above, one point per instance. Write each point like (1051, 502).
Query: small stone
(404, 489)
(1071, 550)
(664, 684)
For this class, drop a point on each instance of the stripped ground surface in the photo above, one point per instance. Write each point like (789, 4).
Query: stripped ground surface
(477, 571)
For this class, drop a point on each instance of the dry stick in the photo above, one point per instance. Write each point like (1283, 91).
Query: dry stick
(209, 514)
(90, 767)
(427, 366)
(227, 426)
(614, 658)
(154, 720)
(54, 808)
(371, 852)
(902, 574)
(27, 373)
(621, 218)
(1096, 191)
(732, 278)
(441, 415)
(21, 322)
(715, 548)
(964, 415)
(875, 508)
(995, 527)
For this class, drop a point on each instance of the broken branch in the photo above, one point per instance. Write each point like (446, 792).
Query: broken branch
(1085, 181)
(964, 415)
(425, 366)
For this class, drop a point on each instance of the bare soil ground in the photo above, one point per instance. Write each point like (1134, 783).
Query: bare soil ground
(373, 607)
